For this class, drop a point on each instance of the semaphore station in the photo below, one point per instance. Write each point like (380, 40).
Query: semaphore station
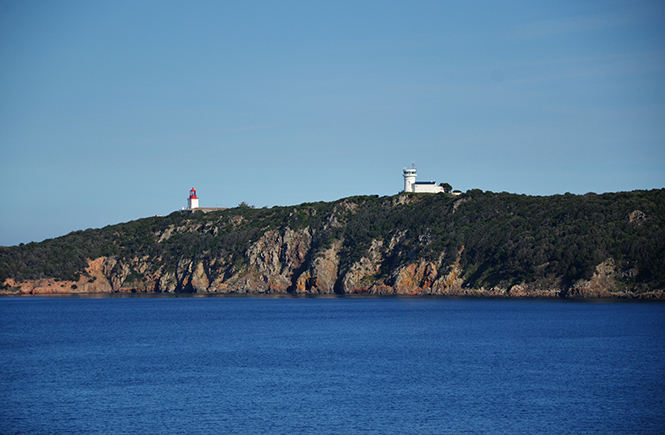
(411, 185)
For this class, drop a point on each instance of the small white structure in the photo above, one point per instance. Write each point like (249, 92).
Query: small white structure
(411, 185)
(193, 200)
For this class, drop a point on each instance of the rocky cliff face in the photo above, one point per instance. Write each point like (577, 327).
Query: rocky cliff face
(285, 262)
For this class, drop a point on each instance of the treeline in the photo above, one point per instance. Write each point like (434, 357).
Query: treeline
(499, 239)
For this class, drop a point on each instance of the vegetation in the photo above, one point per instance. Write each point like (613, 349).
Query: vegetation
(497, 238)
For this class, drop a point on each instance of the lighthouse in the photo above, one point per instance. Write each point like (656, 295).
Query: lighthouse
(193, 200)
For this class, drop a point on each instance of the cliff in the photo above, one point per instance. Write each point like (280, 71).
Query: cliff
(475, 244)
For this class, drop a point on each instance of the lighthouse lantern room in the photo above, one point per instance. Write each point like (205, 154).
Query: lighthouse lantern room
(193, 200)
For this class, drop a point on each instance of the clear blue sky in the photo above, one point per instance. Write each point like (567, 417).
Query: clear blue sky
(111, 111)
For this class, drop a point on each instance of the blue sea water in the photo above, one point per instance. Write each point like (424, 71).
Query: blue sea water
(190, 365)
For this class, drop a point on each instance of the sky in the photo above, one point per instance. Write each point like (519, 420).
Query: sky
(111, 111)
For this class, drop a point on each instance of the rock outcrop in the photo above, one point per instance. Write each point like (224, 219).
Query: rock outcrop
(96, 280)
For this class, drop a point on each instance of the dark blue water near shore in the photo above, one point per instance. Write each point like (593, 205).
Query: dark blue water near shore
(367, 365)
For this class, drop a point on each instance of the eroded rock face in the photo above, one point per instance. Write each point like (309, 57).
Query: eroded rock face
(601, 284)
(415, 277)
(324, 269)
(93, 281)
(200, 282)
(278, 255)
(321, 276)
(360, 275)
(449, 283)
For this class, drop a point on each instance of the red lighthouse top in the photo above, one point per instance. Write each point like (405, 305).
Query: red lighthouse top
(192, 194)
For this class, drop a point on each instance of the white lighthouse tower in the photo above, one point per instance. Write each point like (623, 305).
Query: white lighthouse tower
(193, 200)
(410, 179)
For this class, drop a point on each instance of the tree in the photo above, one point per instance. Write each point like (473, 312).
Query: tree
(446, 187)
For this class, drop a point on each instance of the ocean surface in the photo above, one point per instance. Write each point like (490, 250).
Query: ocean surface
(195, 365)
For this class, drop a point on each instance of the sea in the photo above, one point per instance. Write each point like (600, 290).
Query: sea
(330, 365)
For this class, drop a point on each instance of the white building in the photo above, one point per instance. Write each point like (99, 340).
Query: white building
(411, 185)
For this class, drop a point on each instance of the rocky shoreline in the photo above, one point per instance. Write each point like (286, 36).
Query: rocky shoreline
(417, 279)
